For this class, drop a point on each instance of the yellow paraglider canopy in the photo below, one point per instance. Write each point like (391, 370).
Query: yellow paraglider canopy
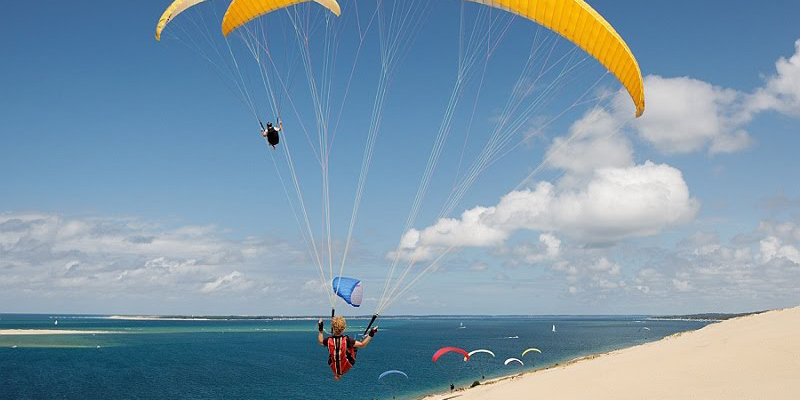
(177, 7)
(575, 20)
(529, 350)
(581, 24)
(242, 11)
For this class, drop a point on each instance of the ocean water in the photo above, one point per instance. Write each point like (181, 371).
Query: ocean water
(280, 359)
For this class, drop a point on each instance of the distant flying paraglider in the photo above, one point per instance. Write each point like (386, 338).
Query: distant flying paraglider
(530, 350)
(473, 352)
(392, 372)
(445, 350)
(512, 360)
(481, 366)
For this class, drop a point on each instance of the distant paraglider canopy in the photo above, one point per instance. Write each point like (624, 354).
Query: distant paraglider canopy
(530, 350)
(392, 372)
(511, 360)
(473, 352)
(444, 350)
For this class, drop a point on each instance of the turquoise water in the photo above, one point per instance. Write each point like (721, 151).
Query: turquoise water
(271, 359)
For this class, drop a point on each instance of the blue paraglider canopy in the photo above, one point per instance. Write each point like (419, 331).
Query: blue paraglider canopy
(348, 289)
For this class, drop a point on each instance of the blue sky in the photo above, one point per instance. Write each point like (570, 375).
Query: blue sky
(136, 182)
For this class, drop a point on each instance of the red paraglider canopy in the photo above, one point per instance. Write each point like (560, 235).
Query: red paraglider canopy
(447, 350)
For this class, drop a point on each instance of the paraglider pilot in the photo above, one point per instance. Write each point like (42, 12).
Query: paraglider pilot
(271, 133)
(341, 348)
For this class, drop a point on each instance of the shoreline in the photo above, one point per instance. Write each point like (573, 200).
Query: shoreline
(156, 318)
(491, 381)
(33, 332)
(612, 374)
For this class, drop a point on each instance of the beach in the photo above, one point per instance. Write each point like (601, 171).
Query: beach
(752, 357)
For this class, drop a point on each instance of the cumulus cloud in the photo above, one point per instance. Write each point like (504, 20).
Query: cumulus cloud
(762, 268)
(782, 90)
(604, 265)
(681, 286)
(617, 203)
(771, 247)
(603, 196)
(756, 270)
(234, 281)
(548, 249)
(685, 115)
(106, 257)
(587, 273)
(592, 142)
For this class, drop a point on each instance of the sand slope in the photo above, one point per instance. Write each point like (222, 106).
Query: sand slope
(753, 357)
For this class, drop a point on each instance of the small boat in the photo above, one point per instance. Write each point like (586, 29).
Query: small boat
(554, 328)
(56, 323)
(461, 326)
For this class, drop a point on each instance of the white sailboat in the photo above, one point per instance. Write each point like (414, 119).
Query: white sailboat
(554, 329)
(461, 325)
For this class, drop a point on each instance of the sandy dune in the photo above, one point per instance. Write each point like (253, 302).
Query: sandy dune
(753, 357)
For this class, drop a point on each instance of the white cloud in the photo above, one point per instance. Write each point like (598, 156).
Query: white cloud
(607, 284)
(592, 143)
(604, 265)
(771, 247)
(315, 286)
(234, 282)
(686, 115)
(548, 249)
(683, 115)
(759, 269)
(113, 257)
(781, 91)
(681, 286)
(617, 203)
